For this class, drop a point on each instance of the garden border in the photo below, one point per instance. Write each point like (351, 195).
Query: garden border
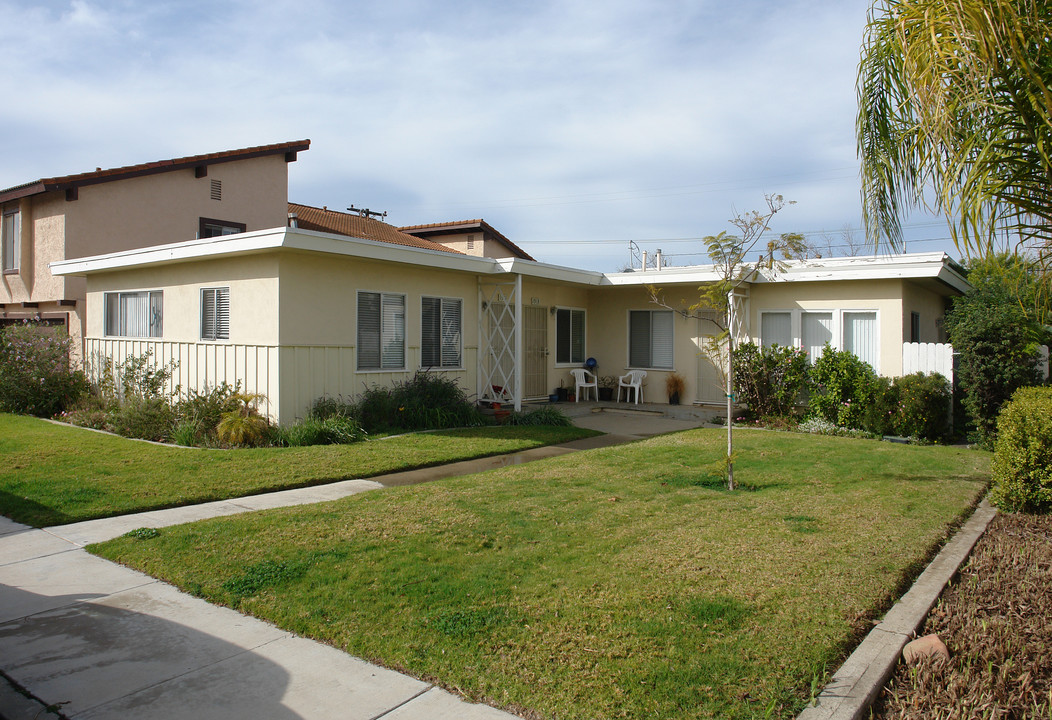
(858, 682)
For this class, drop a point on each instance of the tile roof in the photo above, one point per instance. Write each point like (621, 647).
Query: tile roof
(463, 226)
(289, 149)
(354, 225)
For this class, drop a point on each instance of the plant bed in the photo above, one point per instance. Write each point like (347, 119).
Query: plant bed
(55, 474)
(993, 618)
(622, 582)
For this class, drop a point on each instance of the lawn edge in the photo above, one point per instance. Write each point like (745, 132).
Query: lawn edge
(855, 686)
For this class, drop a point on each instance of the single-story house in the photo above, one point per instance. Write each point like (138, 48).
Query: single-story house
(296, 313)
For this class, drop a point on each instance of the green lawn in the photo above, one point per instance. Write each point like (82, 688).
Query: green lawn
(53, 474)
(622, 582)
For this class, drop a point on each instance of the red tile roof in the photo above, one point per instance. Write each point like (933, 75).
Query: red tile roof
(354, 225)
(289, 149)
(466, 226)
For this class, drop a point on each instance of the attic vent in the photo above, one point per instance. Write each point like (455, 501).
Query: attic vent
(471, 242)
(217, 189)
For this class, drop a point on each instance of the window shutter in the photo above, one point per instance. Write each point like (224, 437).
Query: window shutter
(562, 336)
(430, 332)
(451, 341)
(393, 331)
(661, 334)
(368, 331)
(639, 338)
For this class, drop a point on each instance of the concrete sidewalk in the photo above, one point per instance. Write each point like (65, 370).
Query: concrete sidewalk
(94, 640)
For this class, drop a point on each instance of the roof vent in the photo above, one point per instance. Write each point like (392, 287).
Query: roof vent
(217, 190)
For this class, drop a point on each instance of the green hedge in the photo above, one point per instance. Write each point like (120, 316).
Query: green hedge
(1022, 466)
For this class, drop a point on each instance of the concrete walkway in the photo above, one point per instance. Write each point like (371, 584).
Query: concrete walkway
(94, 640)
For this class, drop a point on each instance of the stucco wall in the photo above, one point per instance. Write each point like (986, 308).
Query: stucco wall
(931, 306)
(166, 208)
(883, 296)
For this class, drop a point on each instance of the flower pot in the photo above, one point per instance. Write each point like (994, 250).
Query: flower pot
(673, 399)
(553, 397)
(562, 394)
(606, 394)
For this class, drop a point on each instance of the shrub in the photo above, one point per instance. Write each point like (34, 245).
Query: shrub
(821, 426)
(996, 342)
(244, 426)
(145, 418)
(882, 412)
(1022, 466)
(332, 430)
(425, 402)
(842, 387)
(36, 376)
(770, 380)
(200, 412)
(540, 416)
(924, 406)
(326, 407)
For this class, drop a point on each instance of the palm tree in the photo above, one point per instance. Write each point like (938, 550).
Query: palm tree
(955, 115)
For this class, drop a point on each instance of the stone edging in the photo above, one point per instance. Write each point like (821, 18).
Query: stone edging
(858, 682)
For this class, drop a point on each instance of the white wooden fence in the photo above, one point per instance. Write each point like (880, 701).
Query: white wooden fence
(938, 357)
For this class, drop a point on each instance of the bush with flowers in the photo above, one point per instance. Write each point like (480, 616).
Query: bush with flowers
(36, 375)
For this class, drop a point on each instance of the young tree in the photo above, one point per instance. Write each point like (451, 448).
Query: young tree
(729, 255)
(955, 114)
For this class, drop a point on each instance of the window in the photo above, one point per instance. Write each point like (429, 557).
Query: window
(860, 336)
(914, 327)
(10, 231)
(440, 338)
(817, 330)
(776, 328)
(215, 313)
(134, 314)
(569, 336)
(381, 331)
(208, 228)
(650, 339)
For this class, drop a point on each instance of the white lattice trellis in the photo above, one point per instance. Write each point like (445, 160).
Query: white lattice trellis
(500, 327)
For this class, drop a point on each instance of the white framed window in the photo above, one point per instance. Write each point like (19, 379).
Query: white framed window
(215, 313)
(381, 331)
(441, 339)
(856, 331)
(10, 246)
(134, 314)
(569, 336)
(650, 339)
(776, 328)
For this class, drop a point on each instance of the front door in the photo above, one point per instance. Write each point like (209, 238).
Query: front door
(535, 361)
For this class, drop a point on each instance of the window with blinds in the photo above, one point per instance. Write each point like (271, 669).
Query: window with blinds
(650, 339)
(817, 330)
(381, 331)
(776, 328)
(569, 336)
(215, 313)
(860, 336)
(134, 314)
(440, 332)
(9, 240)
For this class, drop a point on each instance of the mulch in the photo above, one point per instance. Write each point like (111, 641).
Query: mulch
(996, 619)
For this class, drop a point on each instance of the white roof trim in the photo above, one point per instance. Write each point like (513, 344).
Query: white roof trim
(934, 266)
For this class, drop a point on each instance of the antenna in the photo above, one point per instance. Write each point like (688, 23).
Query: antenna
(366, 212)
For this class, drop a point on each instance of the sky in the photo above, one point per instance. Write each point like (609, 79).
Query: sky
(575, 128)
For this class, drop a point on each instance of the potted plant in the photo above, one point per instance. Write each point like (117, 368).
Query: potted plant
(607, 384)
(675, 385)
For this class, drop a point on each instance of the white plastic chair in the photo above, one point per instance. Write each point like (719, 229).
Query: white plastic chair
(580, 376)
(634, 379)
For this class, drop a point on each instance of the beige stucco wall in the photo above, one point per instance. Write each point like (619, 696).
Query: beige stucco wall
(932, 309)
(883, 296)
(318, 324)
(608, 338)
(166, 207)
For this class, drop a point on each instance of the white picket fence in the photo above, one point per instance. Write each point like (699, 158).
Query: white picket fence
(928, 358)
(938, 357)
